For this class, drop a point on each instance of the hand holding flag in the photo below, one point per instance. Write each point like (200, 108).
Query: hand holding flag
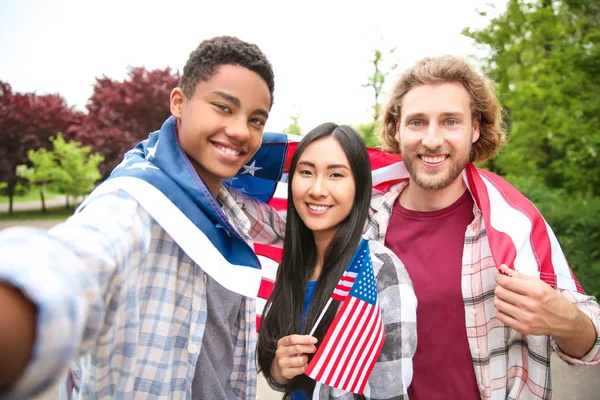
(531, 306)
(291, 357)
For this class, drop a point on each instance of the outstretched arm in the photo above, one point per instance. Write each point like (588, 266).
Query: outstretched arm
(56, 284)
(17, 335)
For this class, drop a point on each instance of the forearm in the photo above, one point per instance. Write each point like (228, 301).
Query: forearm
(17, 335)
(577, 336)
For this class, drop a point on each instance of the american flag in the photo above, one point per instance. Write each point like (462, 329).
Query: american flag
(354, 339)
(518, 234)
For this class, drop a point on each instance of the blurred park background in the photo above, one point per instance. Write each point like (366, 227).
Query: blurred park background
(544, 56)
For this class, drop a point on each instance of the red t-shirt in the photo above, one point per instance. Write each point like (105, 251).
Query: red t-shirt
(430, 244)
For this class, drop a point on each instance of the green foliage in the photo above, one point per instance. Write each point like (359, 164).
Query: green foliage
(369, 133)
(68, 168)
(78, 168)
(294, 127)
(545, 59)
(376, 82)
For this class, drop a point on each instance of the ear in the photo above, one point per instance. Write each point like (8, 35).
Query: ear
(177, 101)
(476, 128)
(397, 135)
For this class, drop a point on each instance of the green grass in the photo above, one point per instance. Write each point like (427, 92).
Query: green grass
(32, 195)
(51, 214)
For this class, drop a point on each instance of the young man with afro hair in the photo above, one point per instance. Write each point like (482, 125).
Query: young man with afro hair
(148, 290)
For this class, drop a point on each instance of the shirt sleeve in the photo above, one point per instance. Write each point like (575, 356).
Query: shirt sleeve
(267, 223)
(589, 306)
(67, 272)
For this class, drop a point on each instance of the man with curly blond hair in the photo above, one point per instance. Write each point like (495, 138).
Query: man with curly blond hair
(485, 330)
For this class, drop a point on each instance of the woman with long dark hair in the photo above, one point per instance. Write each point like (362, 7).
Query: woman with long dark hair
(329, 190)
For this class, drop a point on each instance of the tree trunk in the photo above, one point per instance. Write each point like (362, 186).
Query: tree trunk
(43, 195)
(67, 205)
(12, 184)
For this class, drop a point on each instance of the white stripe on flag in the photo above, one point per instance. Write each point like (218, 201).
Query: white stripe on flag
(237, 278)
(348, 346)
(504, 218)
(281, 191)
(260, 305)
(564, 280)
(269, 267)
(352, 362)
(377, 334)
(340, 325)
(389, 173)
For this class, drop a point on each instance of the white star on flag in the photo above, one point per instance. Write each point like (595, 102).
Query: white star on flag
(142, 165)
(251, 169)
(152, 150)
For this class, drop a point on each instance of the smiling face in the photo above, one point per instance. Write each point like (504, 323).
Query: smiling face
(221, 126)
(323, 186)
(436, 133)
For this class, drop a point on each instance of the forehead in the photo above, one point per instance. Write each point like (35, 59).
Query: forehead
(237, 81)
(438, 98)
(325, 151)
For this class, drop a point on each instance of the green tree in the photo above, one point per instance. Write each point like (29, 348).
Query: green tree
(544, 56)
(376, 82)
(78, 169)
(294, 127)
(44, 171)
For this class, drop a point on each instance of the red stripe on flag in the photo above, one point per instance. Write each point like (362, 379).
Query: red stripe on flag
(375, 351)
(350, 343)
(265, 289)
(278, 203)
(271, 252)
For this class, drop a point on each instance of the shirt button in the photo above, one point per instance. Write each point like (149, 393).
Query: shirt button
(475, 351)
(473, 311)
(192, 348)
(468, 270)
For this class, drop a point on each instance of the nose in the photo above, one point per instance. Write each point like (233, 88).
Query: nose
(237, 130)
(433, 137)
(318, 188)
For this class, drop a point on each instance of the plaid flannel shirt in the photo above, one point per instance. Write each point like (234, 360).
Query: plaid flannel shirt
(508, 365)
(115, 292)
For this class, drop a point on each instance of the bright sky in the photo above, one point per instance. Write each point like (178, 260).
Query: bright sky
(320, 50)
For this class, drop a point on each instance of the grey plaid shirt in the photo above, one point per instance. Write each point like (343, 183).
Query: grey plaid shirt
(115, 292)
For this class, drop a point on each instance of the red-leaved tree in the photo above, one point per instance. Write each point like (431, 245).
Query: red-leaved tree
(120, 114)
(27, 121)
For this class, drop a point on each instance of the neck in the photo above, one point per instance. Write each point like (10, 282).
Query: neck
(322, 241)
(417, 198)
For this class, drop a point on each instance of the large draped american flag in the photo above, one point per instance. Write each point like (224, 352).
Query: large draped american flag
(518, 234)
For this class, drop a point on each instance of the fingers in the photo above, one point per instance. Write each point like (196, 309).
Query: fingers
(291, 355)
(296, 339)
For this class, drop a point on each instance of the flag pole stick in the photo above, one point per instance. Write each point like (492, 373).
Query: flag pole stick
(314, 328)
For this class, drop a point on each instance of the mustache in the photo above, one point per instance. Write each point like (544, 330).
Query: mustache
(424, 151)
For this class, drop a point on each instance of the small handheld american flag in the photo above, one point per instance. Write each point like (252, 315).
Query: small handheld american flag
(355, 338)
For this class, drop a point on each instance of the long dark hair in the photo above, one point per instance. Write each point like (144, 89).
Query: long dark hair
(285, 305)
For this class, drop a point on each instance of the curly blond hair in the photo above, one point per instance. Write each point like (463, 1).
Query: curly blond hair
(484, 103)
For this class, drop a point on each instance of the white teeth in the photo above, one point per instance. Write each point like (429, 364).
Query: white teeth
(228, 151)
(318, 208)
(433, 160)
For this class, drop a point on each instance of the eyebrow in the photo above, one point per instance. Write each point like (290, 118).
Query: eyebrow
(447, 114)
(330, 166)
(236, 102)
